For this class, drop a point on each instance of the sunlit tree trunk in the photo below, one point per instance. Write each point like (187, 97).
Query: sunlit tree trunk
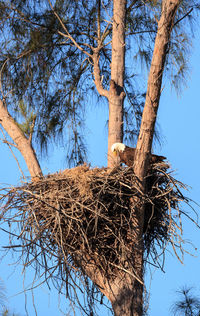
(21, 142)
(116, 94)
(125, 290)
(144, 143)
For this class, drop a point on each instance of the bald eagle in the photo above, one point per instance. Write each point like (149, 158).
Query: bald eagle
(126, 154)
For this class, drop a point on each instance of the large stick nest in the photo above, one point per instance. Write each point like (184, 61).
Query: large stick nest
(83, 212)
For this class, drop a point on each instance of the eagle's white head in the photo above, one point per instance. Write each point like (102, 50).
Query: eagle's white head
(117, 147)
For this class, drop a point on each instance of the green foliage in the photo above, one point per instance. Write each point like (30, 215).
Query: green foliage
(28, 119)
(187, 305)
(48, 80)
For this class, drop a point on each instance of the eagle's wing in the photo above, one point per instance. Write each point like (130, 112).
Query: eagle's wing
(127, 156)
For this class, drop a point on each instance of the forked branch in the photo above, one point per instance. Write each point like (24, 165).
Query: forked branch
(94, 57)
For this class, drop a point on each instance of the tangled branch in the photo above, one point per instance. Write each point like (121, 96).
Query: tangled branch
(84, 214)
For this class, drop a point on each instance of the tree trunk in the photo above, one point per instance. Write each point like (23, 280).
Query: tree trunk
(116, 94)
(125, 289)
(126, 292)
(21, 142)
(165, 25)
(126, 297)
(144, 143)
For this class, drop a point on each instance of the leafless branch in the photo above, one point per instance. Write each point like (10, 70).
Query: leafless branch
(178, 21)
(9, 146)
(69, 217)
(9, 143)
(67, 34)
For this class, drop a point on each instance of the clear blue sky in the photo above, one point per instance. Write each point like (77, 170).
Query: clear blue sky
(179, 121)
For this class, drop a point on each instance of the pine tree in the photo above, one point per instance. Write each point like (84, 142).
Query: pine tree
(54, 54)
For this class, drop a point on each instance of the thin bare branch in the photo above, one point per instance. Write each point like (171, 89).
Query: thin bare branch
(67, 34)
(75, 43)
(99, 23)
(9, 146)
(183, 17)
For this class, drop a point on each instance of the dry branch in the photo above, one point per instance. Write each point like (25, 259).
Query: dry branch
(65, 223)
(85, 213)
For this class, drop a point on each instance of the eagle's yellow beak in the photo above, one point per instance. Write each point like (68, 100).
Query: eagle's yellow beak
(114, 152)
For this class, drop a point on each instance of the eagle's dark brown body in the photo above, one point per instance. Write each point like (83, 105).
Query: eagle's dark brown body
(127, 156)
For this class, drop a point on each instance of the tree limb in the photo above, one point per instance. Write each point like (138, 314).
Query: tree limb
(144, 144)
(183, 17)
(97, 75)
(94, 56)
(68, 35)
(22, 143)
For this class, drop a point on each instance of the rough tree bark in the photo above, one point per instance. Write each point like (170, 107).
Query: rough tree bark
(125, 291)
(116, 93)
(22, 143)
(144, 143)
